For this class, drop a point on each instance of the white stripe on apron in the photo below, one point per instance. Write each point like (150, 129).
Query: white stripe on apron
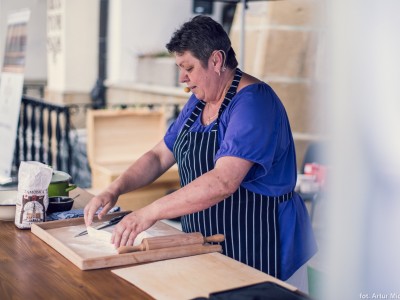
(248, 220)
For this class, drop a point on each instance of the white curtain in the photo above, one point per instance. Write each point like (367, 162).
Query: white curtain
(362, 94)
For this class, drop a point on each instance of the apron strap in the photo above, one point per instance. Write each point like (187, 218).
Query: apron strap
(201, 104)
(228, 96)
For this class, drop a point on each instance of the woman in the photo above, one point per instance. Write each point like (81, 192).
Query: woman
(236, 158)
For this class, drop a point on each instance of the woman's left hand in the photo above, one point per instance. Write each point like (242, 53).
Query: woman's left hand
(131, 225)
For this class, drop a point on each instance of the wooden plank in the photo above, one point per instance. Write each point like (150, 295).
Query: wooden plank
(192, 277)
(42, 230)
(73, 222)
(81, 196)
(59, 246)
(87, 253)
(148, 256)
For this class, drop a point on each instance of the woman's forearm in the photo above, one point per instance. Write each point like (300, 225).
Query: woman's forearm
(143, 171)
(203, 192)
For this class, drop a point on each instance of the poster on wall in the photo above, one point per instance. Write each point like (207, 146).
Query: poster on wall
(11, 86)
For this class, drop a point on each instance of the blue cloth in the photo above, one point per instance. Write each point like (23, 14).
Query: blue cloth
(248, 220)
(255, 127)
(74, 213)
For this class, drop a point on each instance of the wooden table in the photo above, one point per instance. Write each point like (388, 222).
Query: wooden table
(30, 269)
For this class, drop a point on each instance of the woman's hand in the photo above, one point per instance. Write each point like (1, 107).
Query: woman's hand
(131, 225)
(106, 200)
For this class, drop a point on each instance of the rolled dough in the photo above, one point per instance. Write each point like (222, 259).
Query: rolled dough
(101, 235)
(105, 236)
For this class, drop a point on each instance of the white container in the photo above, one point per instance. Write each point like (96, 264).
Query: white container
(7, 205)
(307, 184)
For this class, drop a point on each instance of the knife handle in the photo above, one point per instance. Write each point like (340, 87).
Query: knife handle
(111, 222)
(116, 220)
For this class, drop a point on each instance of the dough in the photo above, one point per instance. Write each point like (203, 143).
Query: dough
(100, 235)
(105, 236)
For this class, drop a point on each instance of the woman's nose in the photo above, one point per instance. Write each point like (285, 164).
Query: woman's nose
(183, 77)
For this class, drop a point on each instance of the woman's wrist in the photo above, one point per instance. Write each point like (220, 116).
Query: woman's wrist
(114, 192)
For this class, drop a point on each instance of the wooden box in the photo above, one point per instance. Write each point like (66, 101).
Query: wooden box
(116, 138)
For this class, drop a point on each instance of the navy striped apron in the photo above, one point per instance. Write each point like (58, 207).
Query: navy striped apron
(248, 220)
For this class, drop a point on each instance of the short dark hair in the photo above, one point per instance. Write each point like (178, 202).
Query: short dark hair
(201, 36)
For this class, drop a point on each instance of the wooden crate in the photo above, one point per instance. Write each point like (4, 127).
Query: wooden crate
(116, 138)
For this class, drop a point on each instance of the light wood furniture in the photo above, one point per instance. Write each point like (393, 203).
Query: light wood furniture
(116, 138)
(87, 253)
(170, 279)
(31, 269)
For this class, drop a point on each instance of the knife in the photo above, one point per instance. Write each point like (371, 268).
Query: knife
(109, 223)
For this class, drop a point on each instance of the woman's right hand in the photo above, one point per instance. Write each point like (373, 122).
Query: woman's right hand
(105, 200)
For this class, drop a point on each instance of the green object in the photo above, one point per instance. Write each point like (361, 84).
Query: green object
(60, 184)
(315, 282)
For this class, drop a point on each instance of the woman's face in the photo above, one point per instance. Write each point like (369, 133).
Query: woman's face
(202, 82)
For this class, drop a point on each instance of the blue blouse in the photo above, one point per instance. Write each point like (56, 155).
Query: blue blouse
(255, 127)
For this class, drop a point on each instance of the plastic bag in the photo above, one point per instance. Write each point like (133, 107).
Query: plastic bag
(32, 197)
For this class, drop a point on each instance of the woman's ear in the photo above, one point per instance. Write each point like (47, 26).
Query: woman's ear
(217, 61)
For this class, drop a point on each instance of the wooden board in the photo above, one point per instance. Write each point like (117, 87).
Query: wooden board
(87, 253)
(122, 135)
(195, 276)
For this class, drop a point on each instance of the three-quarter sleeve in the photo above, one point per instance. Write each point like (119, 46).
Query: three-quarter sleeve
(254, 124)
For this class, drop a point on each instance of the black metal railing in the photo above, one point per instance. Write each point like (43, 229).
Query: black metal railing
(43, 134)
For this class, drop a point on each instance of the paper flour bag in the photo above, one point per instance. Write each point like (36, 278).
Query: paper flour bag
(32, 197)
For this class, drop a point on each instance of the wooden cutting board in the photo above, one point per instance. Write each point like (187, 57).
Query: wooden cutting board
(88, 253)
(195, 276)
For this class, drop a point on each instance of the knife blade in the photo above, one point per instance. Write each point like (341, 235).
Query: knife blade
(109, 223)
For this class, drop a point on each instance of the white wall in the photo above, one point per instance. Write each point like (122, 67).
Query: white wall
(35, 67)
(73, 65)
(363, 97)
(137, 27)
